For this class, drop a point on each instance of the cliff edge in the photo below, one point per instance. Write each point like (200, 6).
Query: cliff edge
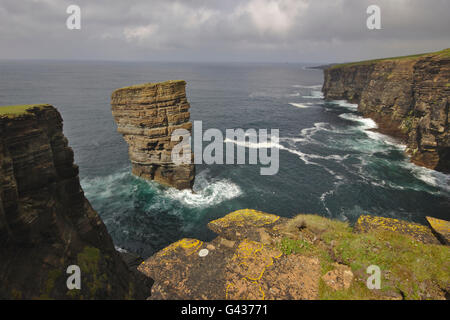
(146, 116)
(258, 255)
(408, 97)
(46, 223)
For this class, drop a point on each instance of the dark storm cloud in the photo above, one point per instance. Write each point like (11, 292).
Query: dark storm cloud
(198, 30)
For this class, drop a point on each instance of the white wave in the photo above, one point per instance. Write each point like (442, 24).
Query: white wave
(275, 143)
(301, 105)
(206, 193)
(103, 186)
(272, 144)
(318, 126)
(365, 123)
(345, 104)
(121, 250)
(386, 139)
(316, 86)
(314, 95)
(323, 199)
(307, 134)
(252, 145)
(295, 139)
(306, 157)
(324, 195)
(303, 156)
(431, 177)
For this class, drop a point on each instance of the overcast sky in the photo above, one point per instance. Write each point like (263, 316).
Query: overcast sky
(222, 30)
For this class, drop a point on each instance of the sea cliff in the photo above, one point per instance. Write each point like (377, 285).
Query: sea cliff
(147, 115)
(46, 223)
(408, 97)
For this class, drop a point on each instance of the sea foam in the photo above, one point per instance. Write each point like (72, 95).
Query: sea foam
(206, 193)
(301, 105)
(314, 95)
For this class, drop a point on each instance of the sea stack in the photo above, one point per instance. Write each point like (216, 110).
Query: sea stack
(146, 116)
(46, 223)
(408, 97)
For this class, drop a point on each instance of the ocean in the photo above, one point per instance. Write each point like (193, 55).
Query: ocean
(332, 162)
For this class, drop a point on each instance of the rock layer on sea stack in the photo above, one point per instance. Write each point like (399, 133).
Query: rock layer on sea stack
(408, 97)
(147, 115)
(46, 223)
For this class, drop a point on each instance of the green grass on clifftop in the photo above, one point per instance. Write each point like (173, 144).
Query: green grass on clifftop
(441, 54)
(149, 84)
(18, 110)
(409, 268)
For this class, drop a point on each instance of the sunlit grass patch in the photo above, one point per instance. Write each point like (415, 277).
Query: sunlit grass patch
(409, 269)
(17, 110)
(443, 53)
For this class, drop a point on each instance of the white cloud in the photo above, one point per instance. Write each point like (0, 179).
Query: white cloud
(275, 30)
(271, 16)
(140, 33)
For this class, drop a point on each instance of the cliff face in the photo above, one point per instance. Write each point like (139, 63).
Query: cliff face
(147, 115)
(408, 97)
(46, 223)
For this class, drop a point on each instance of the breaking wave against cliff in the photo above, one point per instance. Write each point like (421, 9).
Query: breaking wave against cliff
(315, 86)
(143, 216)
(205, 192)
(314, 95)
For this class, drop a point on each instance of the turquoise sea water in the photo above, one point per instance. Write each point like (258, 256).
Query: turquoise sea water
(331, 161)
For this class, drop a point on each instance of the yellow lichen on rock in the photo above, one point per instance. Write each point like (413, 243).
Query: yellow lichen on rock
(190, 246)
(244, 218)
(418, 232)
(246, 268)
(260, 256)
(441, 227)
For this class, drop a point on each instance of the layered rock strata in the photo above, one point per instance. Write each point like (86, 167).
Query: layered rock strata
(408, 97)
(147, 115)
(46, 223)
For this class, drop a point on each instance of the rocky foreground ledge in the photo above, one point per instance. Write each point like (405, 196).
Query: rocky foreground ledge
(263, 256)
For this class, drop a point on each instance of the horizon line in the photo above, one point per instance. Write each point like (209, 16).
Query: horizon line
(162, 61)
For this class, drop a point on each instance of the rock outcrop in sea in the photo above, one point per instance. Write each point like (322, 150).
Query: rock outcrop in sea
(147, 115)
(46, 223)
(408, 97)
